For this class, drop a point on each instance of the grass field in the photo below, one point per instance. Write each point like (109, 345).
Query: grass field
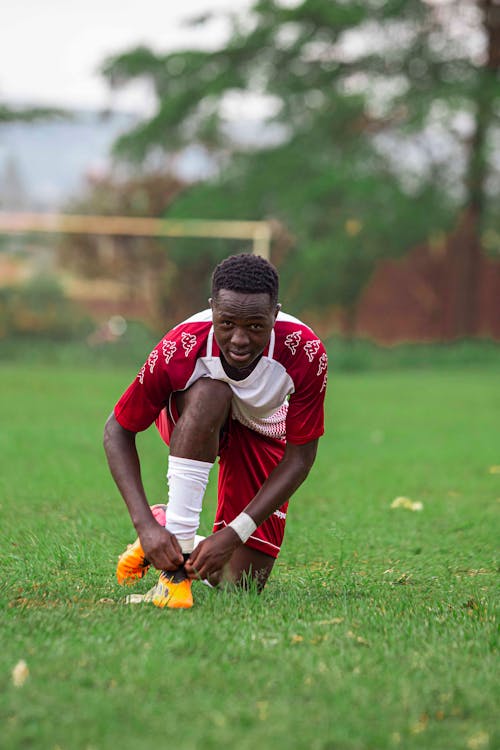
(376, 630)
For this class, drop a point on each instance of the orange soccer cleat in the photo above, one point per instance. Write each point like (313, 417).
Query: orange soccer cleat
(132, 564)
(173, 590)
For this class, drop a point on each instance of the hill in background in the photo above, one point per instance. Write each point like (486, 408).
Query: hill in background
(43, 164)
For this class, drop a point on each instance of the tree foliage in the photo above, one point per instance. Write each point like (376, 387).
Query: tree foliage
(29, 114)
(354, 89)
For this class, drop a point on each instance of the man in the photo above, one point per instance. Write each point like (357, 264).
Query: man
(242, 381)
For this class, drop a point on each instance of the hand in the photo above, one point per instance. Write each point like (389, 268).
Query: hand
(212, 553)
(161, 547)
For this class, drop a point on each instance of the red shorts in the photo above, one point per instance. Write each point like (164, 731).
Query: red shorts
(246, 458)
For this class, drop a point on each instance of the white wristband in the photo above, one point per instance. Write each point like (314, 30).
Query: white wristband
(244, 526)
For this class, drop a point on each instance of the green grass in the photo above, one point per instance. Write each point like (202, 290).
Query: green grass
(376, 630)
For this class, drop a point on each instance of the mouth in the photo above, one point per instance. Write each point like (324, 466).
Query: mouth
(240, 357)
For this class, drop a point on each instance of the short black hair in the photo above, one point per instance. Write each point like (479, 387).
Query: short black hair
(246, 273)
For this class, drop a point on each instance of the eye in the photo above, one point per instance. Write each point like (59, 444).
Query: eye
(256, 326)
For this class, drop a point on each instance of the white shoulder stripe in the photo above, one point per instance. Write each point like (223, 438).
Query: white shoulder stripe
(205, 316)
(286, 318)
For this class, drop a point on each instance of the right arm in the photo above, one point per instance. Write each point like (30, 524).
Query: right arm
(160, 546)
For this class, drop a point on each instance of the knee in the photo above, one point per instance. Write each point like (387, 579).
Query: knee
(206, 401)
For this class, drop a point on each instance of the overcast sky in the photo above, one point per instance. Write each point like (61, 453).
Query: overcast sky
(50, 50)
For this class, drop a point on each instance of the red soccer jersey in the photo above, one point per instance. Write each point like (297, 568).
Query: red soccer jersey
(282, 397)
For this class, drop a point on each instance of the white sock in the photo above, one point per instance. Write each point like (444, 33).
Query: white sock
(187, 482)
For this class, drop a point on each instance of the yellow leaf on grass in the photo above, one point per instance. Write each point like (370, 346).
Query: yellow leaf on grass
(478, 741)
(297, 638)
(353, 227)
(358, 638)
(407, 504)
(421, 725)
(20, 673)
(494, 470)
(404, 579)
(262, 707)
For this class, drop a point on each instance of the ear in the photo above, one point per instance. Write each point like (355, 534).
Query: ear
(278, 308)
(211, 303)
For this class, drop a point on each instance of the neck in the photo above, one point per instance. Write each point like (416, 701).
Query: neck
(236, 373)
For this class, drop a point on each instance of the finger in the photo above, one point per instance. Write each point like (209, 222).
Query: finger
(196, 568)
(191, 568)
(198, 572)
(167, 558)
(194, 558)
(162, 561)
(174, 551)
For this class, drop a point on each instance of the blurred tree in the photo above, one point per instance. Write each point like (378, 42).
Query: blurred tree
(439, 79)
(28, 114)
(141, 264)
(38, 307)
(348, 90)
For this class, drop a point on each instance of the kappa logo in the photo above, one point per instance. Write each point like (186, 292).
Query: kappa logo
(280, 514)
(325, 380)
(293, 341)
(323, 362)
(152, 360)
(188, 342)
(311, 349)
(169, 348)
(141, 374)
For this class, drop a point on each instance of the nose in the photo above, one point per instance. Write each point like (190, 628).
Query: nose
(239, 338)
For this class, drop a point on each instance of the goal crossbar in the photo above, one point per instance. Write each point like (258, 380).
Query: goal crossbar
(259, 232)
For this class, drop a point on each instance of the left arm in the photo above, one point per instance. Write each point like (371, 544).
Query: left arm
(215, 551)
(283, 481)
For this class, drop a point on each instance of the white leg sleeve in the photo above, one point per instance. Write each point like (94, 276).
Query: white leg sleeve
(187, 482)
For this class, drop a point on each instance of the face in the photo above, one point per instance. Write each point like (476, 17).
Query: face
(242, 327)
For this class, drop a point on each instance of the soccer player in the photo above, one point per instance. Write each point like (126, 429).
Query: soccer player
(242, 381)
